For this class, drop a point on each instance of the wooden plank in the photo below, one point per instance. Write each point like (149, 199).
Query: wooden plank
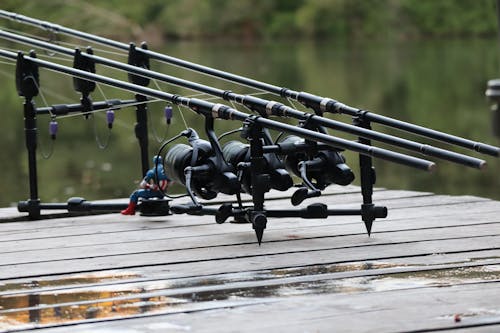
(11, 214)
(445, 274)
(408, 310)
(249, 254)
(207, 270)
(471, 216)
(117, 223)
(308, 275)
(96, 220)
(329, 306)
(308, 240)
(224, 289)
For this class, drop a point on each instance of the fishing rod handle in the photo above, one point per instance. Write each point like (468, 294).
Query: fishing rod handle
(332, 106)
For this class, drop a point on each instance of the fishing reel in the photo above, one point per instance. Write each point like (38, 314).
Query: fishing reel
(237, 154)
(201, 168)
(317, 168)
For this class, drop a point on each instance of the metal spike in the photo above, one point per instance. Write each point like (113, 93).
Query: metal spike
(259, 232)
(259, 222)
(368, 225)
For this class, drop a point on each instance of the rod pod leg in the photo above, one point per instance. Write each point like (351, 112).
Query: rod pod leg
(33, 204)
(369, 212)
(27, 84)
(260, 181)
(140, 59)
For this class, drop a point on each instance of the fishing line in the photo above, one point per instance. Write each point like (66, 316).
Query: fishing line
(60, 42)
(233, 105)
(47, 55)
(115, 107)
(156, 166)
(52, 40)
(101, 91)
(7, 74)
(293, 103)
(262, 92)
(100, 144)
(278, 138)
(42, 96)
(47, 91)
(180, 111)
(210, 98)
(197, 95)
(41, 56)
(44, 56)
(109, 52)
(122, 53)
(182, 116)
(11, 49)
(74, 45)
(7, 63)
(55, 95)
(155, 133)
(48, 154)
(23, 33)
(223, 135)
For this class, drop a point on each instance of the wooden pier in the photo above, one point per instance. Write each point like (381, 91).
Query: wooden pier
(432, 264)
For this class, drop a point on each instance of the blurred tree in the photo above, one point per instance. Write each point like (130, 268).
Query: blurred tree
(344, 19)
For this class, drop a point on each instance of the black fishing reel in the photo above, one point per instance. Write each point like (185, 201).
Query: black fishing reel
(237, 154)
(316, 168)
(200, 168)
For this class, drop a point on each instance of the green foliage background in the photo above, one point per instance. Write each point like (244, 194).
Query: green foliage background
(257, 19)
(423, 61)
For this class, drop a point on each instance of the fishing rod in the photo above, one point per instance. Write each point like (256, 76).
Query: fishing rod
(204, 163)
(221, 111)
(317, 103)
(262, 106)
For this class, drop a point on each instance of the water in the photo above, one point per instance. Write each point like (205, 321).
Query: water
(88, 297)
(439, 84)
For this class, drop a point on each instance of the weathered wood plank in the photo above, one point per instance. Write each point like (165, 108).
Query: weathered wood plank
(12, 215)
(225, 267)
(471, 216)
(249, 254)
(308, 240)
(309, 275)
(401, 310)
(116, 223)
(66, 222)
(395, 311)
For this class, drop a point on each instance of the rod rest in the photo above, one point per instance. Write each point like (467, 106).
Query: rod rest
(62, 109)
(370, 212)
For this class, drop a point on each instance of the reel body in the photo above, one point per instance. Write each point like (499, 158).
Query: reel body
(325, 167)
(237, 154)
(197, 167)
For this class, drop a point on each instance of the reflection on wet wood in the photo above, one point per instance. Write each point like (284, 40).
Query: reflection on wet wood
(434, 259)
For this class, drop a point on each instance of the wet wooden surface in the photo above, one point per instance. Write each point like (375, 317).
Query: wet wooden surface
(433, 264)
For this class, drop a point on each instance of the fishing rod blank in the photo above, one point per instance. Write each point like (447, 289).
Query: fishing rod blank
(319, 104)
(261, 105)
(224, 112)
